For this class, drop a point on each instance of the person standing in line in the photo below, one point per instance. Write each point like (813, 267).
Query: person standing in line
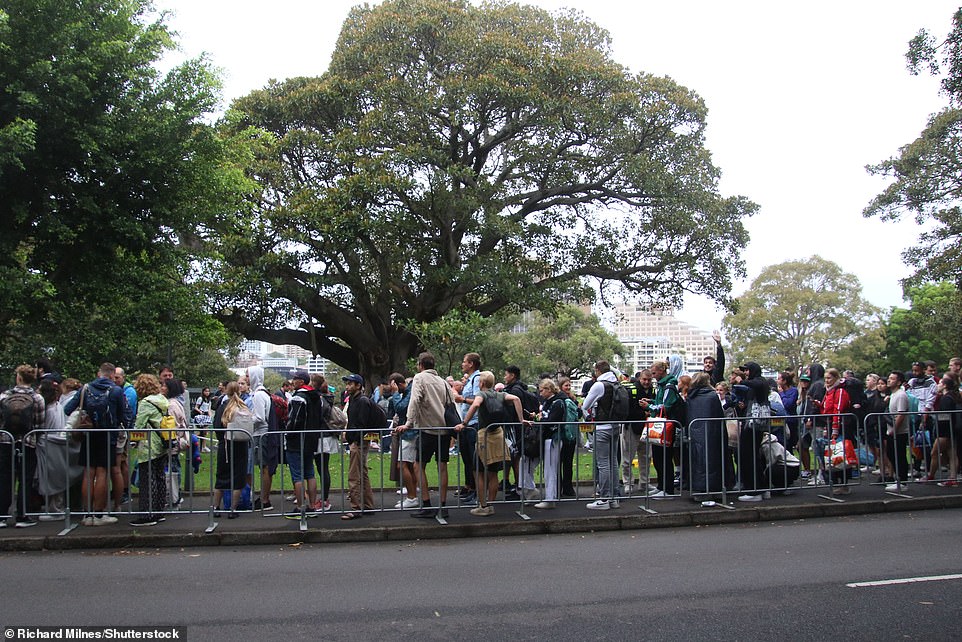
(429, 396)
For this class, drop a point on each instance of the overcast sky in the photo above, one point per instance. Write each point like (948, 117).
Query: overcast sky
(800, 96)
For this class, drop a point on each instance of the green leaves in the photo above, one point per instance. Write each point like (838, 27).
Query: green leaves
(107, 174)
(799, 312)
(927, 173)
(476, 158)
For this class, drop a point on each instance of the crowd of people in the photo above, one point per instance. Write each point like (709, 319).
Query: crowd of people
(703, 433)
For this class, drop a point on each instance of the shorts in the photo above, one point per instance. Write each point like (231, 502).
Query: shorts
(409, 450)
(433, 446)
(495, 467)
(96, 449)
(267, 452)
(300, 464)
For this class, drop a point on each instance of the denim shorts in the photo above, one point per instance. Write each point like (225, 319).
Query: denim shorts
(300, 464)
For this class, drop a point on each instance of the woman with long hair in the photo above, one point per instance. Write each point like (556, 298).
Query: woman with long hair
(233, 424)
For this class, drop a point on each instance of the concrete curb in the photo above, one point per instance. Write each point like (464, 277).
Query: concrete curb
(623, 519)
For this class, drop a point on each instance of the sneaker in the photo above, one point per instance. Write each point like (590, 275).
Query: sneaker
(104, 520)
(3, 523)
(468, 498)
(267, 506)
(257, 504)
(614, 503)
(512, 496)
(233, 515)
(47, 517)
(144, 521)
(25, 522)
(424, 513)
(483, 511)
(407, 502)
(949, 484)
(205, 449)
(569, 494)
(806, 474)
(544, 505)
(291, 498)
(125, 498)
(530, 494)
(841, 490)
(660, 494)
(894, 488)
(601, 504)
(87, 521)
(749, 498)
(443, 512)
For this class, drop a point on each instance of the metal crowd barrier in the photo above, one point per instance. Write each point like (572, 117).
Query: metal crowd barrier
(712, 455)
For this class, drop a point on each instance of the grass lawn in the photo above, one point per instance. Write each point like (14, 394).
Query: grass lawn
(378, 467)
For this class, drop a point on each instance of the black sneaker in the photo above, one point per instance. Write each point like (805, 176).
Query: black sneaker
(144, 521)
(267, 506)
(424, 513)
(512, 496)
(443, 512)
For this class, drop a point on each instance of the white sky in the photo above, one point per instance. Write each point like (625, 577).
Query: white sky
(800, 99)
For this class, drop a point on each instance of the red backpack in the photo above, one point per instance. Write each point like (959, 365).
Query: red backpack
(279, 404)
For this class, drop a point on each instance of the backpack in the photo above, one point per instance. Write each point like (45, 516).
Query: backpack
(614, 403)
(167, 424)
(914, 419)
(569, 433)
(377, 418)
(761, 415)
(529, 401)
(335, 417)
(280, 407)
(493, 410)
(97, 405)
(18, 413)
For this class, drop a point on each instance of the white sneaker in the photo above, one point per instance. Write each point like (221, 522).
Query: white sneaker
(50, 517)
(749, 498)
(601, 504)
(104, 520)
(530, 494)
(412, 502)
(614, 503)
(658, 494)
(87, 521)
(544, 505)
(767, 494)
(893, 488)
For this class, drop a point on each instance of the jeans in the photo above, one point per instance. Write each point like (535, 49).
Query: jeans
(467, 446)
(606, 445)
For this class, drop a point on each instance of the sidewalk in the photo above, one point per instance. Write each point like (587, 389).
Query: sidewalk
(185, 528)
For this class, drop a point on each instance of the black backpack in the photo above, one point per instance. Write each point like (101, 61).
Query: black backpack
(614, 404)
(18, 411)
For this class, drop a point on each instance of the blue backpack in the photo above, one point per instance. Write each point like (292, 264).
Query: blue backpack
(97, 405)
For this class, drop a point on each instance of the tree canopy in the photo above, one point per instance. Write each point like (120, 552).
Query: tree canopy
(105, 165)
(566, 343)
(455, 156)
(799, 312)
(927, 173)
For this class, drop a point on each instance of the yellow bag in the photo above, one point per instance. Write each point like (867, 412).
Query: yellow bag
(168, 428)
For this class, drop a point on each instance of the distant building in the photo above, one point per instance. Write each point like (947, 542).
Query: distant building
(654, 333)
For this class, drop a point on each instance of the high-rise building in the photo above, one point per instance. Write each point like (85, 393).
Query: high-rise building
(654, 333)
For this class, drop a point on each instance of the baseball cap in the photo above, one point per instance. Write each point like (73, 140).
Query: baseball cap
(301, 374)
(356, 378)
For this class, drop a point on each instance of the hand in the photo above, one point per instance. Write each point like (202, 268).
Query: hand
(459, 427)
(716, 335)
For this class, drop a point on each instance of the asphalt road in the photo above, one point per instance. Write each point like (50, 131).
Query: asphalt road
(755, 581)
